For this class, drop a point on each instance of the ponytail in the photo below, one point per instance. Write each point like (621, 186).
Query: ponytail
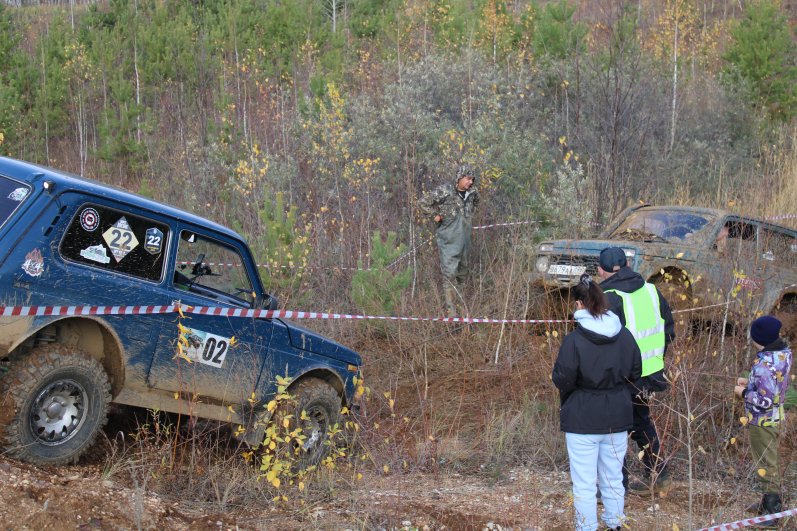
(591, 296)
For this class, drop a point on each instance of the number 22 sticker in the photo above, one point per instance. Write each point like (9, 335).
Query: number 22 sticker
(120, 239)
(153, 241)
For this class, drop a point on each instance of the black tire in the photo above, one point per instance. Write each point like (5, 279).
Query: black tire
(322, 404)
(53, 403)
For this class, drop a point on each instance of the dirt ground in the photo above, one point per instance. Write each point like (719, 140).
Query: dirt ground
(464, 396)
(78, 497)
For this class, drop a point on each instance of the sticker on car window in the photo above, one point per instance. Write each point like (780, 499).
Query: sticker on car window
(205, 347)
(89, 219)
(153, 241)
(19, 194)
(96, 253)
(120, 239)
(34, 263)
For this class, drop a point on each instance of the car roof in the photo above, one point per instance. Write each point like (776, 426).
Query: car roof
(685, 208)
(719, 212)
(28, 172)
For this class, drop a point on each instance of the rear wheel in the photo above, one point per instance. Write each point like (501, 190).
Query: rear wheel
(54, 402)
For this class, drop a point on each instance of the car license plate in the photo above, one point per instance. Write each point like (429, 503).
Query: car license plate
(571, 270)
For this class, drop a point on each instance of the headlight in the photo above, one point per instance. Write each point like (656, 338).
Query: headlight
(542, 264)
(546, 248)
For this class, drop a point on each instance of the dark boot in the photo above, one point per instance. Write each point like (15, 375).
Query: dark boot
(770, 504)
(756, 508)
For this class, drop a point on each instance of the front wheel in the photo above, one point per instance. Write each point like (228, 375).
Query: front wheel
(321, 406)
(54, 402)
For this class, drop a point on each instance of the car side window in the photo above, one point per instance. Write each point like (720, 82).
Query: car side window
(117, 241)
(212, 269)
(737, 238)
(778, 247)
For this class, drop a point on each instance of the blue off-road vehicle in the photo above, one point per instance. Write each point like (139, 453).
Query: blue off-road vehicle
(70, 241)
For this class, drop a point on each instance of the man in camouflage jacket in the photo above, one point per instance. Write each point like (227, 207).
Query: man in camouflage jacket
(451, 207)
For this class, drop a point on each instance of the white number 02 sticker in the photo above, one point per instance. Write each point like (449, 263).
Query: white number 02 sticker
(205, 347)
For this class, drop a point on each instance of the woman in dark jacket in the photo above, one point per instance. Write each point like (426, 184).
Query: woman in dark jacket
(596, 366)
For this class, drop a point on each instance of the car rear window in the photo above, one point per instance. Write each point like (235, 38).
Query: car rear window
(117, 241)
(12, 194)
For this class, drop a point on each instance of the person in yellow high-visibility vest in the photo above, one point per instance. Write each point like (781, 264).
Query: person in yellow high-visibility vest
(646, 313)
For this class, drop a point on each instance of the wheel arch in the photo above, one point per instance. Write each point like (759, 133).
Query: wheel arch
(785, 309)
(326, 375)
(87, 334)
(787, 298)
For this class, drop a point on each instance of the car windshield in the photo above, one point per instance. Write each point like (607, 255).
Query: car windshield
(12, 193)
(662, 225)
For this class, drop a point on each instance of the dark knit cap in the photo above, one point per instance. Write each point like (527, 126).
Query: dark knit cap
(610, 257)
(765, 330)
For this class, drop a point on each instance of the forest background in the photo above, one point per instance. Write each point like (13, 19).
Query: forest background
(314, 126)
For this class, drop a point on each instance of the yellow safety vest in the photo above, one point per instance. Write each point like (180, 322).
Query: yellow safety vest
(643, 319)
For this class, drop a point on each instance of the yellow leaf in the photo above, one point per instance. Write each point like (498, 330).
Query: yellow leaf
(271, 406)
(385, 469)
(733, 440)
(641, 454)
(743, 420)
(391, 403)
(555, 333)
(359, 477)
(762, 472)
(286, 423)
(679, 255)
(675, 527)
(176, 396)
(276, 483)
(301, 485)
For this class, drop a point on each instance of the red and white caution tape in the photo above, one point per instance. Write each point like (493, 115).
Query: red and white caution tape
(747, 522)
(507, 224)
(705, 307)
(38, 311)
(26, 311)
(782, 216)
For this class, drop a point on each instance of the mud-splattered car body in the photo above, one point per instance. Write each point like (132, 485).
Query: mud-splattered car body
(66, 241)
(698, 256)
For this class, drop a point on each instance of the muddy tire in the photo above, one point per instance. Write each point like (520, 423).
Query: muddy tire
(53, 403)
(675, 288)
(322, 405)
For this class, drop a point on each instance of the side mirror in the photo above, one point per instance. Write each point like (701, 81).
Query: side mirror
(269, 302)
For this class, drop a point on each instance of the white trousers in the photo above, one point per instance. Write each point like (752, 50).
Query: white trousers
(597, 459)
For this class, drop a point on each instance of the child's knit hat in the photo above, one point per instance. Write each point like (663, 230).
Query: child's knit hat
(765, 330)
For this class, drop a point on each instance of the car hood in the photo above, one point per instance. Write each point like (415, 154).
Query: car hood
(594, 247)
(305, 339)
